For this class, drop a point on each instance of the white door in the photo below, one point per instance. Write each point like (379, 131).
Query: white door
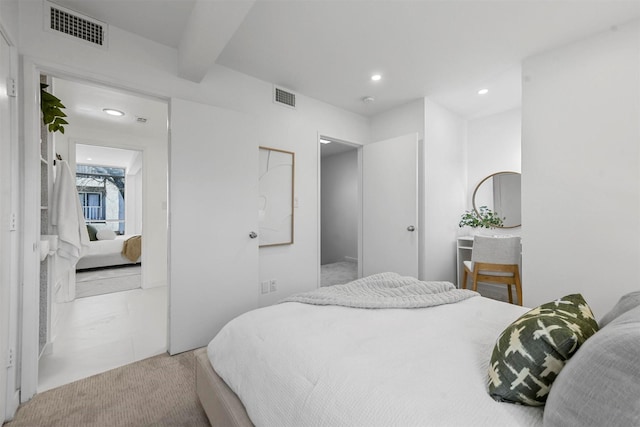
(213, 193)
(390, 206)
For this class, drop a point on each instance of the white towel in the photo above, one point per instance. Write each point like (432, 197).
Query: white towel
(67, 217)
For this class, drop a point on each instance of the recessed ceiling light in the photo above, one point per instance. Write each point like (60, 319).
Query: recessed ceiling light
(483, 91)
(376, 77)
(324, 141)
(113, 112)
(89, 158)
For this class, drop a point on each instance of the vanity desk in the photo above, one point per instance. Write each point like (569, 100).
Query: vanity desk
(464, 246)
(500, 194)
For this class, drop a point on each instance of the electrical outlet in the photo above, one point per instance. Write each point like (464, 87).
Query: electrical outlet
(273, 285)
(264, 287)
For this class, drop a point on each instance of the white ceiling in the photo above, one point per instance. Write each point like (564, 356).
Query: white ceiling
(160, 20)
(84, 109)
(105, 156)
(85, 103)
(328, 50)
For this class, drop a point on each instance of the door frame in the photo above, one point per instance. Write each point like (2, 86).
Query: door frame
(145, 182)
(358, 146)
(30, 184)
(9, 305)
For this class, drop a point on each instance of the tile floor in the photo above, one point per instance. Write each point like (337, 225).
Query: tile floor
(99, 333)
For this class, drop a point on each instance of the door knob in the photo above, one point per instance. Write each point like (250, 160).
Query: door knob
(411, 228)
(253, 234)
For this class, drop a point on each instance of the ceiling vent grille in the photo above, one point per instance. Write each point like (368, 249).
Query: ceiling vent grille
(75, 25)
(283, 97)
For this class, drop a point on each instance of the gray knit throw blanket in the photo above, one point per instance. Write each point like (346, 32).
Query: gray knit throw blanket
(385, 290)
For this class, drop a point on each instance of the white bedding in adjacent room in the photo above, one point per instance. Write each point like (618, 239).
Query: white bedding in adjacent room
(103, 253)
(299, 365)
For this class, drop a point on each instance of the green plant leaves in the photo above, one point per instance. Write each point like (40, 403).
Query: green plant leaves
(485, 218)
(52, 114)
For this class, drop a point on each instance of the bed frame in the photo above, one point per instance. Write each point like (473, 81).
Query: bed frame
(220, 403)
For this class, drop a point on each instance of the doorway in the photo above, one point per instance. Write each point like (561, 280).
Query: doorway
(339, 211)
(7, 237)
(120, 168)
(109, 185)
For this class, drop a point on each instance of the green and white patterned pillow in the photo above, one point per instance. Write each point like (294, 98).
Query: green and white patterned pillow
(531, 351)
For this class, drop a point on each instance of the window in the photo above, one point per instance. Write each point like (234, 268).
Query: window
(101, 190)
(92, 206)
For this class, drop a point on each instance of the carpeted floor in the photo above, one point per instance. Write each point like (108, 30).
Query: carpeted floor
(158, 391)
(107, 280)
(338, 273)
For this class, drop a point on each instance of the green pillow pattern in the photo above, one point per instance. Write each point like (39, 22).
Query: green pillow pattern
(531, 351)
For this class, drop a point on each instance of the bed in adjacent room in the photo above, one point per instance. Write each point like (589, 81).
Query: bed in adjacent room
(109, 249)
(310, 361)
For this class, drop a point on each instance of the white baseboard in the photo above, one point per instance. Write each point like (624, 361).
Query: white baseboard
(350, 259)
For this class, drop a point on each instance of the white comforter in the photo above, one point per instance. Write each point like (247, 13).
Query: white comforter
(300, 365)
(104, 253)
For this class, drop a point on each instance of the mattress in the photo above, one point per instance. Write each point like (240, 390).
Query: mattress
(294, 364)
(104, 253)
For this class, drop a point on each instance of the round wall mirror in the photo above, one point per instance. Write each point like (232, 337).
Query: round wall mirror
(500, 192)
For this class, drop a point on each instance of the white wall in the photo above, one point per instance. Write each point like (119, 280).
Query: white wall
(407, 118)
(339, 207)
(134, 63)
(296, 267)
(493, 145)
(581, 170)
(445, 190)
(9, 19)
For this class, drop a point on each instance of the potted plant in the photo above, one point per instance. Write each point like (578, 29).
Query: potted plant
(52, 114)
(482, 218)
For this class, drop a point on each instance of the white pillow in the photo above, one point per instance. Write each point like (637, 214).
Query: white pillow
(106, 235)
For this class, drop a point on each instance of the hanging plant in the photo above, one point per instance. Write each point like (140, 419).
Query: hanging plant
(52, 114)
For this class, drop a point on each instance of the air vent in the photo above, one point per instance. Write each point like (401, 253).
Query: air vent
(283, 97)
(73, 24)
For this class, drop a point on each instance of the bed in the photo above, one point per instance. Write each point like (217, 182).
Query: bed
(308, 364)
(105, 253)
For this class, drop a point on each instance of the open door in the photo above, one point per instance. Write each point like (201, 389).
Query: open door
(390, 206)
(213, 191)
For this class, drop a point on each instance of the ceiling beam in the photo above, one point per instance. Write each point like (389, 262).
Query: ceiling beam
(210, 27)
